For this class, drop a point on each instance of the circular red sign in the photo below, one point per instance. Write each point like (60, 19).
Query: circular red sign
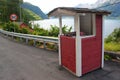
(13, 17)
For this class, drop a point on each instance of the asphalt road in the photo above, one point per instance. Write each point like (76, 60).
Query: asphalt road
(23, 62)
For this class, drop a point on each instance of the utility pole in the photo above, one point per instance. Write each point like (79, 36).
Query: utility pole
(20, 10)
(0, 17)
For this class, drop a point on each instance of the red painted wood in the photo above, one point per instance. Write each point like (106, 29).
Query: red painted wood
(92, 49)
(68, 53)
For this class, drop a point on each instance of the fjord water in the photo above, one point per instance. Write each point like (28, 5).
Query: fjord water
(109, 24)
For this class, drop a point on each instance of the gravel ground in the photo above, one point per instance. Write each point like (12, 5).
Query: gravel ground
(22, 62)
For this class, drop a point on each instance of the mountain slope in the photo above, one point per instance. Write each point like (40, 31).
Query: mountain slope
(31, 15)
(108, 5)
(35, 9)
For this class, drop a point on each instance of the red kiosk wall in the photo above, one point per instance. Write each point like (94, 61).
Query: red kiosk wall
(92, 49)
(68, 48)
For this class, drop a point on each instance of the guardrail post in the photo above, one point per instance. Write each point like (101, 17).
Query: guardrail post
(7, 35)
(34, 43)
(12, 36)
(26, 41)
(56, 46)
(44, 44)
(20, 39)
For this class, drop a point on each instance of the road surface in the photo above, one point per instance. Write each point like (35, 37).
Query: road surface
(23, 62)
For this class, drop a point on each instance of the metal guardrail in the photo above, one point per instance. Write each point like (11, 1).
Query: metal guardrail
(44, 39)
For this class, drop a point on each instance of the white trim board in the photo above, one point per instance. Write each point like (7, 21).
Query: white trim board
(59, 42)
(102, 62)
(78, 47)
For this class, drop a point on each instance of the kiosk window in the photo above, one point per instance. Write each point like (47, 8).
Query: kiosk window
(87, 24)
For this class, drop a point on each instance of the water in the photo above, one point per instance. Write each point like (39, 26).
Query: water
(110, 25)
(46, 23)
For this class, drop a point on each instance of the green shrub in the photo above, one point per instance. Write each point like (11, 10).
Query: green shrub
(38, 43)
(17, 39)
(65, 29)
(114, 36)
(54, 30)
(52, 46)
(31, 42)
(39, 31)
(1, 25)
(112, 42)
(10, 26)
(107, 57)
(24, 30)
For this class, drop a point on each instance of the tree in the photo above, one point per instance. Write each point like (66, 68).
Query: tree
(114, 36)
(8, 7)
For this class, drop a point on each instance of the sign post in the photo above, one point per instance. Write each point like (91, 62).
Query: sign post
(13, 17)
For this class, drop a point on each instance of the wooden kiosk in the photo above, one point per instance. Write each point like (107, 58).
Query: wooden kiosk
(83, 50)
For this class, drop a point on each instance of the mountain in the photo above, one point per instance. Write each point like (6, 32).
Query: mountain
(35, 9)
(110, 5)
(28, 14)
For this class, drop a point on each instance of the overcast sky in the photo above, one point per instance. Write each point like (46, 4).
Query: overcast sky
(48, 5)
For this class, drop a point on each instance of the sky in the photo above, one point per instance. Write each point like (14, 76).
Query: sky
(48, 5)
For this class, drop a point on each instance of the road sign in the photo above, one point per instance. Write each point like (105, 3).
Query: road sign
(13, 17)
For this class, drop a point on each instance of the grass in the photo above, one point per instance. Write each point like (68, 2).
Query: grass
(1, 26)
(112, 46)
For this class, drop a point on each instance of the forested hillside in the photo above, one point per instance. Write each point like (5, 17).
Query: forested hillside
(8, 7)
(24, 11)
(112, 6)
(34, 9)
